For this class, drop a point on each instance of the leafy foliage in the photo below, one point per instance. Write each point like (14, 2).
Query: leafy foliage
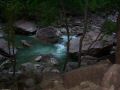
(47, 11)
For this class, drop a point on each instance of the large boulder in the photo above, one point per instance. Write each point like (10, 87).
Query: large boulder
(48, 35)
(4, 48)
(111, 78)
(90, 44)
(90, 37)
(93, 74)
(25, 27)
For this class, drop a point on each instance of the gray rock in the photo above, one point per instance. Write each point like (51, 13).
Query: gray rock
(53, 61)
(38, 58)
(55, 70)
(30, 69)
(47, 35)
(38, 68)
(27, 67)
(49, 60)
(71, 65)
(25, 27)
(91, 45)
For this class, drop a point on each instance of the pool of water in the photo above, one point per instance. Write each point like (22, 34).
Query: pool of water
(28, 54)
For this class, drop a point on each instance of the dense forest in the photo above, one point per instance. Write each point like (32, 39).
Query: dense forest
(59, 44)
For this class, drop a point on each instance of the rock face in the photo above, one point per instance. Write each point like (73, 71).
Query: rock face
(25, 27)
(48, 35)
(111, 79)
(4, 48)
(93, 74)
(95, 47)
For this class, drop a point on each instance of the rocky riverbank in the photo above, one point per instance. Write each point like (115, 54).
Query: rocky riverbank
(42, 70)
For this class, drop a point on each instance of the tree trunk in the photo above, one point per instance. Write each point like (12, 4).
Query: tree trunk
(84, 33)
(65, 21)
(118, 41)
(68, 44)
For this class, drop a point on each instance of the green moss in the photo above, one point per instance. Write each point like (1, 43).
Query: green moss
(109, 27)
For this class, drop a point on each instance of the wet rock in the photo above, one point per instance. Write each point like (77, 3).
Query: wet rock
(38, 59)
(111, 78)
(25, 27)
(48, 35)
(26, 43)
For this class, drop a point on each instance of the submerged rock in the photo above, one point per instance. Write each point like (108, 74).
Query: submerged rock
(38, 58)
(25, 27)
(48, 35)
(25, 43)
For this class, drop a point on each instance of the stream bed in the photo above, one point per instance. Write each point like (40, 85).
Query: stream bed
(28, 54)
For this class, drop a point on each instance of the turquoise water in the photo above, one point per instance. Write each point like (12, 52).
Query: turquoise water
(28, 54)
